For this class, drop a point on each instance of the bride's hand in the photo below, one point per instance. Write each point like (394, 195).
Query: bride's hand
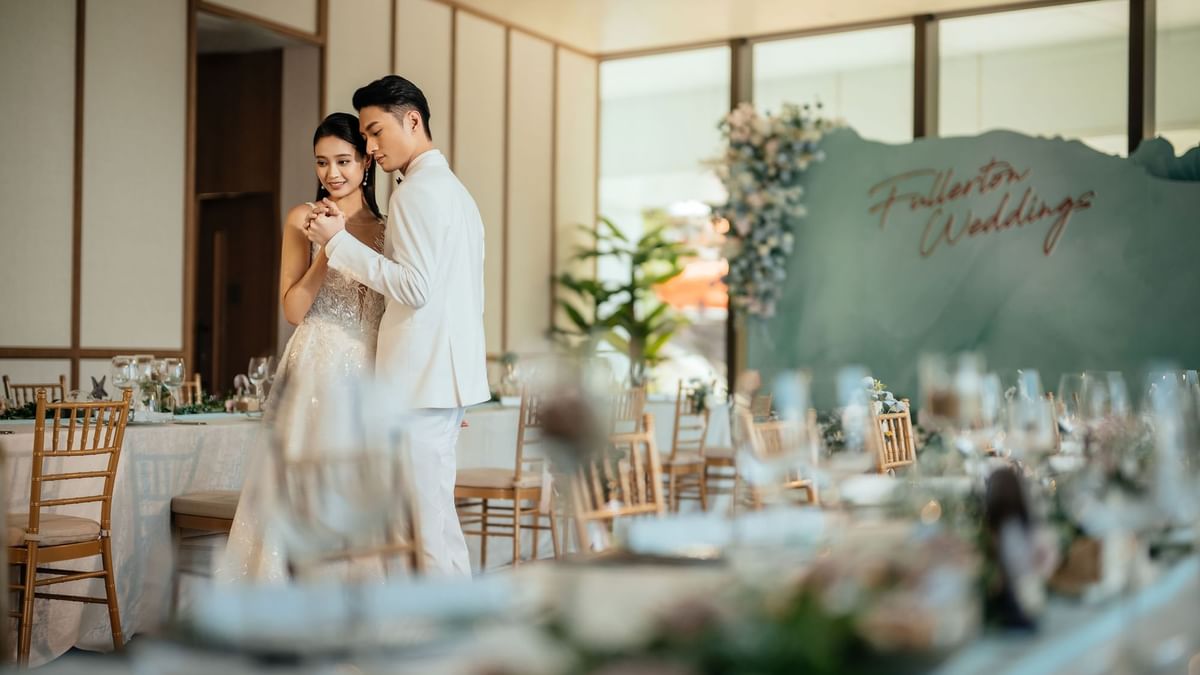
(323, 222)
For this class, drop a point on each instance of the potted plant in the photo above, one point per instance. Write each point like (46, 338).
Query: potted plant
(624, 313)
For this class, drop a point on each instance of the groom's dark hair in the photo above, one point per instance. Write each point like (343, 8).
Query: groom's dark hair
(396, 95)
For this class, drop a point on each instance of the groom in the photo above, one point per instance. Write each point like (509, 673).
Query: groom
(431, 347)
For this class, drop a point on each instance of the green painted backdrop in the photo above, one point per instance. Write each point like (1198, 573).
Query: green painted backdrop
(1119, 287)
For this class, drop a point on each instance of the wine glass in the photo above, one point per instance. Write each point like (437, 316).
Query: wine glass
(1070, 394)
(258, 372)
(861, 450)
(123, 375)
(143, 372)
(1103, 396)
(171, 372)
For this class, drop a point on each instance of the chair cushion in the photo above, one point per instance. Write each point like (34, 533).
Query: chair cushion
(718, 453)
(682, 458)
(208, 504)
(53, 529)
(495, 478)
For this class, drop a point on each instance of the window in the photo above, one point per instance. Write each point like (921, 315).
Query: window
(863, 77)
(658, 124)
(1177, 98)
(1051, 71)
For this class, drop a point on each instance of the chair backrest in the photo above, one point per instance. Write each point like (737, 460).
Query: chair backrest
(529, 433)
(691, 422)
(75, 430)
(895, 440)
(760, 406)
(190, 391)
(312, 493)
(625, 480)
(775, 437)
(24, 394)
(628, 407)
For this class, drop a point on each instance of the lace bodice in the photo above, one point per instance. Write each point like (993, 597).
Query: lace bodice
(346, 302)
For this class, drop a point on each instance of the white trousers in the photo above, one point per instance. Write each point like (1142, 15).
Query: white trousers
(433, 435)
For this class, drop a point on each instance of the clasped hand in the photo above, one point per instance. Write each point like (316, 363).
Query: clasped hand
(323, 221)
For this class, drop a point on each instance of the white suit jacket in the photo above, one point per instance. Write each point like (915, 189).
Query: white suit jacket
(431, 345)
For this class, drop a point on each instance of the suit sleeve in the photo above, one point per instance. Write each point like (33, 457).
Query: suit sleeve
(417, 240)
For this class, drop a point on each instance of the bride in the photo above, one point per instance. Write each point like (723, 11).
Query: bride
(337, 323)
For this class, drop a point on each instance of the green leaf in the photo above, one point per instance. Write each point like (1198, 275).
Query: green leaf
(576, 316)
(619, 343)
(613, 229)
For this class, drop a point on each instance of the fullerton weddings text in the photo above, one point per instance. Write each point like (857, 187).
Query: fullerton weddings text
(937, 191)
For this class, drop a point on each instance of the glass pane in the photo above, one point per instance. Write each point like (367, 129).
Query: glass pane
(658, 124)
(1053, 71)
(1177, 100)
(863, 77)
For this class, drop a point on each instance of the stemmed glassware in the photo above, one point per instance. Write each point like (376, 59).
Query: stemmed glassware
(171, 372)
(259, 372)
(123, 375)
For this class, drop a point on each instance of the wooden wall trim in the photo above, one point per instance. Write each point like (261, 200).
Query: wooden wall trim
(76, 354)
(504, 183)
(323, 60)
(595, 217)
(317, 38)
(189, 195)
(77, 188)
(926, 76)
(392, 21)
(1143, 69)
(554, 127)
(453, 84)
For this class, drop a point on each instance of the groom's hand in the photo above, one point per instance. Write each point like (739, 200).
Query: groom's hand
(325, 221)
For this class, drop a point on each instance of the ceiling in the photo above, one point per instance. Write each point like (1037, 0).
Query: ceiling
(614, 26)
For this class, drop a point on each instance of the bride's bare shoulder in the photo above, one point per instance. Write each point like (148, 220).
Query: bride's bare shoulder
(298, 212)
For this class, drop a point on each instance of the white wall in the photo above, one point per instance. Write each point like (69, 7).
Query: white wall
(530, 192)
(479, 134)
(135, 112)
(38, 109)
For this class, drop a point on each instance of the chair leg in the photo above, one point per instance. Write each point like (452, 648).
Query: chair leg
(110, 593)
(177, 547)
(554, 534)
(516, 529)
(483, 538)
(28, 588)
(672, 492)
(536, 530)
(703, 492)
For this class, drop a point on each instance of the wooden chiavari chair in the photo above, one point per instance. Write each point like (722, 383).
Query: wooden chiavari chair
(195, 516)
(77, 430)
(628, 408)
(524, 488)
(897, 448)
(190, 391)
(623, 481)
(24, 394)
(720, 472)
(684, 467)
(770, 439)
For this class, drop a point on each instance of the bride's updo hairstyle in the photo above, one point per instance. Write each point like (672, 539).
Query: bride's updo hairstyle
(345, 126)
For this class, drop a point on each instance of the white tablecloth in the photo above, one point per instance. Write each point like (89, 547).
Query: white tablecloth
(157, 463)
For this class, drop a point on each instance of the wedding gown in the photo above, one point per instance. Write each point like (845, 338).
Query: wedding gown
(334, 343)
